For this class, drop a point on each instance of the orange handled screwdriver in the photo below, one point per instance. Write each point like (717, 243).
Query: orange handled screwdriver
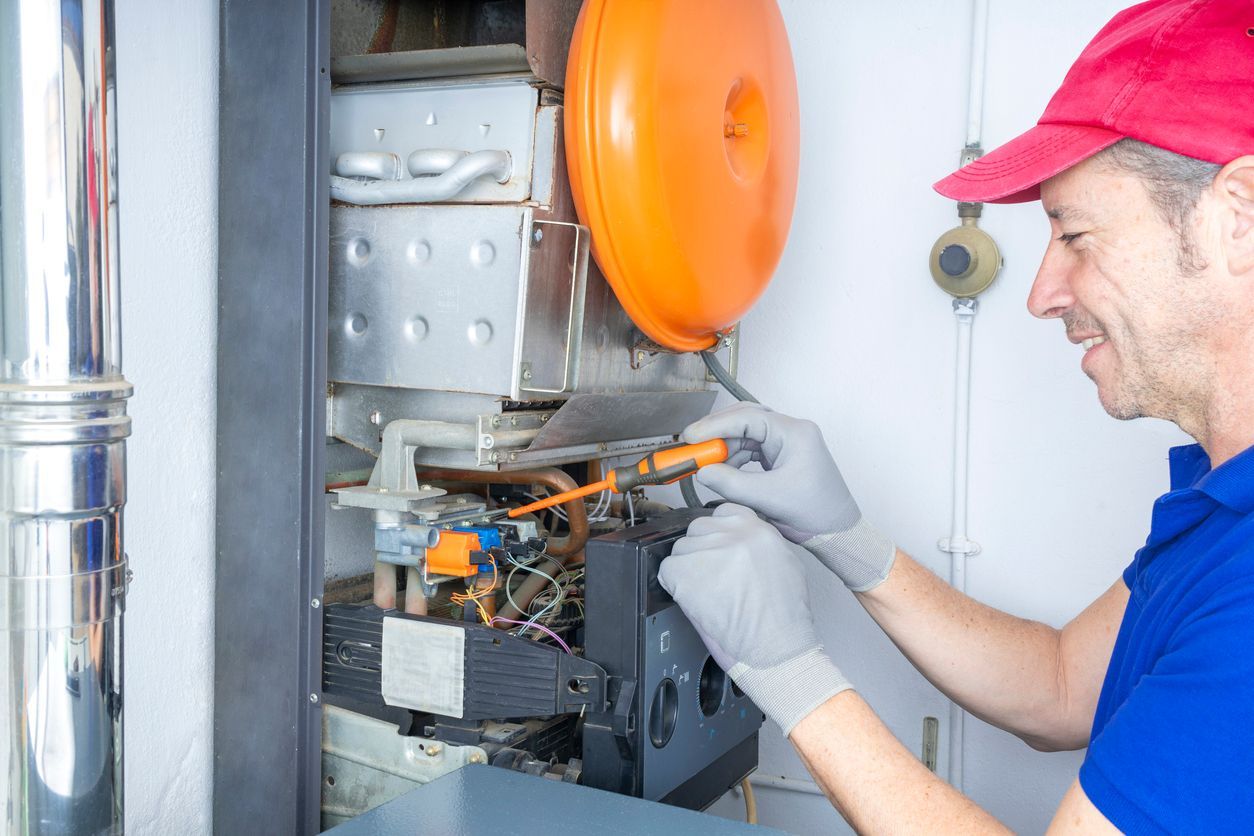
(659, 468)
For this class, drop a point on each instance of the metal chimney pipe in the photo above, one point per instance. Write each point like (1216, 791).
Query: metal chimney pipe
(63, 422)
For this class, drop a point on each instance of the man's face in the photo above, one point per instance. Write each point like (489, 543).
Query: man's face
(1114, 273)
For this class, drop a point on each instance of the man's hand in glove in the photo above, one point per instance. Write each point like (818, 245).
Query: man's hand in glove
(799, 489)
(744, 588)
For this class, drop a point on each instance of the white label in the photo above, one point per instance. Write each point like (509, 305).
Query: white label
(423, 666)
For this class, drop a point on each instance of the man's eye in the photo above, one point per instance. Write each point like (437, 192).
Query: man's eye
(1068, 237)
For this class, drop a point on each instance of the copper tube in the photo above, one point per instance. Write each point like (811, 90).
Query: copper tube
(384, 585)
(550, 477)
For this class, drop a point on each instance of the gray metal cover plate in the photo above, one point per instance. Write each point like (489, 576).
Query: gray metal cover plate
(426, 297)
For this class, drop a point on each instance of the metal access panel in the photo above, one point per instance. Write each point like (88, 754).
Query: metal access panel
(678, 730)
(455, 298)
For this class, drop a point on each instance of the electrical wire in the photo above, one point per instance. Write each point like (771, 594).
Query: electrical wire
(724, 377)
(540, 627)
(476, 597)
(555, 510)
(751, 803)
(534, 571)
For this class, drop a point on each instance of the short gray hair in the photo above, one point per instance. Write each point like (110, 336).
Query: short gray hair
(1175, 184)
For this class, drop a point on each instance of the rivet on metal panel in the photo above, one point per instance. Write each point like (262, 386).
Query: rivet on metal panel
(316, 603)
(376, 417)
(483, 254)
(513, 457)
(313, 698)
(526, 371)
(433, 749)
(418, 252)
(537, 235)
(487, 442)
(479, 332)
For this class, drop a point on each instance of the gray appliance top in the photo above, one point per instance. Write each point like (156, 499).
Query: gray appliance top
(488, 799)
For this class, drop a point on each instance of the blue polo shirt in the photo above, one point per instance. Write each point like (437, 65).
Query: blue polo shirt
(1172, 746)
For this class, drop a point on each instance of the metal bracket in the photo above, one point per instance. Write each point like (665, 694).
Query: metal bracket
(969, 548)
(729, 339)
(574, 319)
(496, 445)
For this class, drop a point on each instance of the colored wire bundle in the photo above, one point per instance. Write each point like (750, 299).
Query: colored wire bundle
(476, 596)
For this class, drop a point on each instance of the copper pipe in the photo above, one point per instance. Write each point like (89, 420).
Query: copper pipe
(384, 585)
(550, 477)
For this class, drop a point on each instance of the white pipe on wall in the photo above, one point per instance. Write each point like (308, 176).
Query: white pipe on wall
(958, 546)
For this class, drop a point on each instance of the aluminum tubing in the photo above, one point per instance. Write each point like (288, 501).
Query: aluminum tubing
(63, 424)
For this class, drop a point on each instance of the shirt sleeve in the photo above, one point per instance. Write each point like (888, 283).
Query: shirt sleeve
(1177, 756)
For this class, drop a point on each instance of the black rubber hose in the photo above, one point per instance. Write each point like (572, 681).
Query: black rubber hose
(728, 382)
(689, 490)
(740, 393)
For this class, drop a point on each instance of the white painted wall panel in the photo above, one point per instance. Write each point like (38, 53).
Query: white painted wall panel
(167, 67)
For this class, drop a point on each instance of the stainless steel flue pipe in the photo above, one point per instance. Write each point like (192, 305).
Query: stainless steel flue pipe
(63, 422)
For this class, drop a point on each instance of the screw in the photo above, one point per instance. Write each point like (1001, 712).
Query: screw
(727, 342)
(495, 457)
(526, 374)
(639, 356)
(433, 749)
(315, 603)
(487, 442)
(496, 422)
(537, 235)
(738, 129)
(513, 420)
(513, 457)
(313, 698)
(544, 419)
(476, 757)
(376, 417)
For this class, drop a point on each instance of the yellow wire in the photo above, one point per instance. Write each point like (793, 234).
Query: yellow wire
(751, 803)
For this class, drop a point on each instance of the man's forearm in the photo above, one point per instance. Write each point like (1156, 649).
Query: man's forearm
(875, 783)
(1003, 669)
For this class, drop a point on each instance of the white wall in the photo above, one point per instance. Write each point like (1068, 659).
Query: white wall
(851, 333)
(167, 68)
(854, 334)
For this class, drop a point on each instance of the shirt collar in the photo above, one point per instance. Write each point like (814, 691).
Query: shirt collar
(1230, 484)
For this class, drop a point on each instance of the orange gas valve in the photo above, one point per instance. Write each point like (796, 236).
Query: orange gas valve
(452, 554)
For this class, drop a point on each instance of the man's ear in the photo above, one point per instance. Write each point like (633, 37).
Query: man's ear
(1235, 187)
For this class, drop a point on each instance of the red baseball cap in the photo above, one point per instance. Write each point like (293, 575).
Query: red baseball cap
(1178, 74)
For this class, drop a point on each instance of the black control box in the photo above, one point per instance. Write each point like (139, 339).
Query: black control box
(677, 730)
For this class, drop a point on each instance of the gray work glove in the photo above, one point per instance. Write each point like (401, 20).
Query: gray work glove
(799, 489)
(744, 589)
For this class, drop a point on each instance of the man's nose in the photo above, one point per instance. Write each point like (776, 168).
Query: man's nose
(1051, 294)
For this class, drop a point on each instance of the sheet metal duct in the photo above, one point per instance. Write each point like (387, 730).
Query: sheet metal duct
(63, 423)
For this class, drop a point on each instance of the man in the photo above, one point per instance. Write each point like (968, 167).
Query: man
(1144, 163)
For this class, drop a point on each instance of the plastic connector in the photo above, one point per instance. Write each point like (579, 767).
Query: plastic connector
(455, 554)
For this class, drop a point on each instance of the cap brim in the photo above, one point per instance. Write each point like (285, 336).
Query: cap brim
(1013, 173)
